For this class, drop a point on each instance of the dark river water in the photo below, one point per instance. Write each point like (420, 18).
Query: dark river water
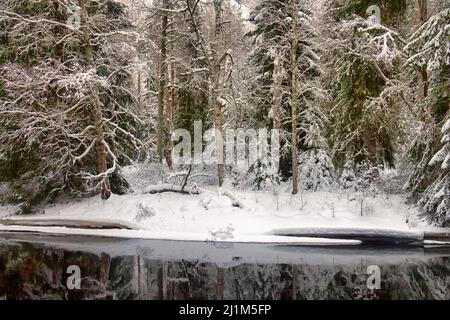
(37, 267)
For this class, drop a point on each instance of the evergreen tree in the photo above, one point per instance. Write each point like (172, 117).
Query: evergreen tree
(427, 52)
(435, 202)
(365, 57)
(272, 47)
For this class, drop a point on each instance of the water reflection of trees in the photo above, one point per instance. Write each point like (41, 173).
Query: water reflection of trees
(32, 272)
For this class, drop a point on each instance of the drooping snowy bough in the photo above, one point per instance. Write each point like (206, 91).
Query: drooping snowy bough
(66, 109)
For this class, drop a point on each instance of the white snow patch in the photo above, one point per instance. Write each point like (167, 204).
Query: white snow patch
(252, 214)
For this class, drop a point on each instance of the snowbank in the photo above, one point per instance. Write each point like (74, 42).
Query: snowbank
(229, 215)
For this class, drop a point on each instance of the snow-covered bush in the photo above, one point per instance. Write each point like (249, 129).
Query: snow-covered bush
(366, 175)
(261, 175)
(316, 170)
(145, 175)
(359, 177)
(144, 212)
(203, 175)
(347, 177)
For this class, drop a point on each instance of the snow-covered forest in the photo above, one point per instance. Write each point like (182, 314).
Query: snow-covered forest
(97, 95)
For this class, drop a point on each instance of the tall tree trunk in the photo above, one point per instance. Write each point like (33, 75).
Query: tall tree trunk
(294, 115)
(423, 10)
(214, 77)
(139, 100)
(170, 106)
(214, 94)
(105, 188)
(276, 106)
(423, 15)
(219, 142)
(162, 80)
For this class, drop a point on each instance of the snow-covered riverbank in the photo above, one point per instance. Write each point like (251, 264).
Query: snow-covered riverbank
(230, 215)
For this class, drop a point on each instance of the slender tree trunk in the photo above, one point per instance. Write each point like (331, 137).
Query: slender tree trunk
(214, 94)
(162, 81)
(423, 14)
(214, 84)
(105, 188)
(219, 141)
(276, 107)
(139, 100)
(424, 74)
(294, 115)
(170, 107)
(423, 10)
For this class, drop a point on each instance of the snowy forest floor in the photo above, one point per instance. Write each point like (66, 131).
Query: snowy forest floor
(230, 214)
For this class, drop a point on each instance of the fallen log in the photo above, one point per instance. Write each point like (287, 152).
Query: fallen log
(365, 235)
(67, 223)
(437, 236)
(170, 188)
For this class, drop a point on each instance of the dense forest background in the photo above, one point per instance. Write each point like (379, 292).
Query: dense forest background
(355, 87)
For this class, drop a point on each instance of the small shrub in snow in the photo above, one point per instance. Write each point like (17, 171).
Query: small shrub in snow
(143, 175)
(261, 175)
(347, 178)
(360, 177)
(144, 212)
(316, 170)
(222, 234)
(366, 176)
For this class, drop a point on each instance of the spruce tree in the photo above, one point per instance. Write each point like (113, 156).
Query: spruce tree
(365, 56)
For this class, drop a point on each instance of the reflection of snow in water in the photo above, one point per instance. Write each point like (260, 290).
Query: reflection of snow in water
(181, 270)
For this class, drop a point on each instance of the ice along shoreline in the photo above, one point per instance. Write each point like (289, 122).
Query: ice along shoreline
(321, 236)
